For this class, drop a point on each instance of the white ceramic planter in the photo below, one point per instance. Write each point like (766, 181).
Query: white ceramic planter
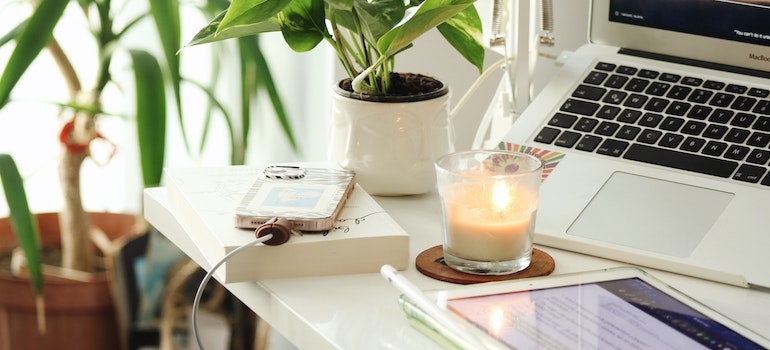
(391, 146)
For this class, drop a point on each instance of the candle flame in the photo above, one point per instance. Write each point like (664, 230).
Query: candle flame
(500, 196)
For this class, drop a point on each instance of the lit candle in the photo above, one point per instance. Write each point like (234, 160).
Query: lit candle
(490, 224)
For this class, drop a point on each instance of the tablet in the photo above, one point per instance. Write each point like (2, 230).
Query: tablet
(619, 308)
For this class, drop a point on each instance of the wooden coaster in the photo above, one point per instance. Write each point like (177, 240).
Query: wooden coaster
(431, 263)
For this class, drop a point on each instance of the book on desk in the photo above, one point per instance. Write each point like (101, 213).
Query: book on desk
(203, 201)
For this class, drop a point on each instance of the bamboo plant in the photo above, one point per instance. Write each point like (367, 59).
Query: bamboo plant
(366, 35)
(153, 76)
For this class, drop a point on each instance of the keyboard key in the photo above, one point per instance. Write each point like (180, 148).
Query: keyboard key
(679, 92)
(637, 85)
(721, 99)
(579, 107)
(547, 135)
(595, 78)
(649, 74)
(673, 78)
(692, 144)
(588, 143)
(670, 140)
(589, 92)
(656, 104)
(607, 128)
(743, 120)
(714, 148)
(616, 81)
(612, 147)
(736, 152)
(650, 120)
(761, 93)
(627, 70)
(678, 108)
(736, 89)
(693, 127)
(749, 173)
(628, 132)
(635, 101)
(758, 156)
(615, 97)
(629, 116)
(721, 116)
(605, 66)
(743, 103)
(649, 136)
(562, 120)
(681, 160)
(671, 123)
(700, 96)
(658, 88)
(715, 131)
(762, 107)
(608, 112)
(758, 139)
(692, 81)
(586, 124)
(737, 135)
(714, 85)
(762, 124)
(699, 112)
(567, 139)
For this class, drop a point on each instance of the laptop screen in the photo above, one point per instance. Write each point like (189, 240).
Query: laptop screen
(735, 20)
(728, 33)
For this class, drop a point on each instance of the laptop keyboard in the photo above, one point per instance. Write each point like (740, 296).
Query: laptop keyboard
(683, 122)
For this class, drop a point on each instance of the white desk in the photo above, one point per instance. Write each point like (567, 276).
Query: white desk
(361, 312)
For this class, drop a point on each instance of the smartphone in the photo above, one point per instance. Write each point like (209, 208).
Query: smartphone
(310, 197)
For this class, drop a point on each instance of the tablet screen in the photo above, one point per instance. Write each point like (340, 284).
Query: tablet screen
(618, 314)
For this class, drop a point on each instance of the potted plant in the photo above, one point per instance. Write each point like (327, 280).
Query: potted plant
(394, 154)
(73, 228)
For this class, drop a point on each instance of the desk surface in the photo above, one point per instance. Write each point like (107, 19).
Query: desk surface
(361, 311)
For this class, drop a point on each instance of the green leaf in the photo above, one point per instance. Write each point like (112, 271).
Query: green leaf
(265, 80)
(303, 24)
(464, 33)
(378, 17)
(33, 37)
(150, 115)
(24, 225)
(243, 12)
(418, 21)
(209, 34)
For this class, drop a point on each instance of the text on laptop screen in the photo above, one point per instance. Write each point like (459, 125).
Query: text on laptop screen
(735, 20)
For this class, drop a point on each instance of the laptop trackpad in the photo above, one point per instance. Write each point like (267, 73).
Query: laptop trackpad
(650, 214)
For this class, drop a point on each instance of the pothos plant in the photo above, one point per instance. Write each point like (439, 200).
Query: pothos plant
(366, 35)
(154, 74)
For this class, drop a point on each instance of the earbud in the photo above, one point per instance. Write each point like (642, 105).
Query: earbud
(280, 228)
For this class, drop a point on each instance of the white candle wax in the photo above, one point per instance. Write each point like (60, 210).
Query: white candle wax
(482, 225)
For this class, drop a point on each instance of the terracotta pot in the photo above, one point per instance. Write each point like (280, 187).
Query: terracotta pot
(79, 315)
(391, 143)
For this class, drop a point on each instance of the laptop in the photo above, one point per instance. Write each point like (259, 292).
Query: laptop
(664, 120)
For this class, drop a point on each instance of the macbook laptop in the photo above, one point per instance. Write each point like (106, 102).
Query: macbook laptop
(664, 120)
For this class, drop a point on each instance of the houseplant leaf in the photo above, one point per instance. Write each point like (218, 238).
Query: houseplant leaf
(23, 223)
(150, 115)
(252, 11)
(30, 41)
(303, 24)
(418, 21)
(212, 32)
(463, 32)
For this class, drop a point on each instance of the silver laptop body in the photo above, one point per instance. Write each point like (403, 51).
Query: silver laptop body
(674, 178)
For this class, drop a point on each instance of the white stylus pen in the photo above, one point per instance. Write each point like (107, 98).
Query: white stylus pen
(427, 306)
